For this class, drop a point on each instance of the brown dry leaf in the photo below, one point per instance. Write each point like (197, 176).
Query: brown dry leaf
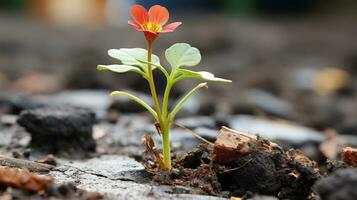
(150, 149)
(24, 179)
(349, 156)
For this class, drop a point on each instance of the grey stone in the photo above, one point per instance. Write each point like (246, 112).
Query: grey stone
(207, 133)
(197, 121)
(14, 136)
(269, 103)
(65, 131)
(96, 101)
(275, 130)
(112, 167)
(17, 103)
(303, 78)
(6, 137)
(8, 120)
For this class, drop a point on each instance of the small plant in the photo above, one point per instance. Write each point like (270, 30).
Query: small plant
(180, 56)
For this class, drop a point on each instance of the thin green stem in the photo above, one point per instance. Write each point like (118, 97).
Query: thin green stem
(165, 100)
(166, 147)
(152, 84)
(163, 121)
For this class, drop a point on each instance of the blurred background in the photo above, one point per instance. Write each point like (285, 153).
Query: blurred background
(295, 59)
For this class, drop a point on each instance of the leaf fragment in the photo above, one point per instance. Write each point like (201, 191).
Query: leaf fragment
(24, 179)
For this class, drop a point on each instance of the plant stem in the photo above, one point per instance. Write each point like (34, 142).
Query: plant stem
(162, 119)
(166, 147)
(152, 84)
(165, 101)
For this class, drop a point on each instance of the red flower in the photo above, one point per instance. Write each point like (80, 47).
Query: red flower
(152, 22)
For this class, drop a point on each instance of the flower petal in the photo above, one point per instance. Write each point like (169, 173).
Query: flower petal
(158, 15)
(171, 27)
(136, 25)
(139, 14)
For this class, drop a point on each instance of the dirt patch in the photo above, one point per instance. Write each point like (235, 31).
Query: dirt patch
(259, 166)
(194, 170)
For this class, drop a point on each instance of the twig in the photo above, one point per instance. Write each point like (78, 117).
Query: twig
(238, 168)
(193, 133)
(24, 164)
(253, 137)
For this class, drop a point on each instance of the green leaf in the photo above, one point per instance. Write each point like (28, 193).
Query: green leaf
(200, 75)
(183, 100)
(182, 55)
(137, 100)
(119, 68)
(133, 57)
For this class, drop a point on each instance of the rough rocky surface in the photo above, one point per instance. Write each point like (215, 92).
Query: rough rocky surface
(339, 185)
(66, 191)
(65, 131)
(117, 177)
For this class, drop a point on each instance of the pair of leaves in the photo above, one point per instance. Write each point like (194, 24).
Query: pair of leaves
(178, 55)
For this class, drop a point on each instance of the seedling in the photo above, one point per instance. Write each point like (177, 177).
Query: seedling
(180, 56)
